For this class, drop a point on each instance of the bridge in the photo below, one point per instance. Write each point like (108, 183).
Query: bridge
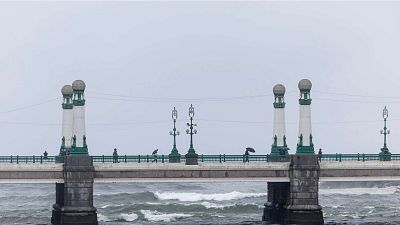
(139, 168)
(292, 179)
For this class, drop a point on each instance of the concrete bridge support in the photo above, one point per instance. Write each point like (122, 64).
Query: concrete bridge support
(296, 202)
(77, 202)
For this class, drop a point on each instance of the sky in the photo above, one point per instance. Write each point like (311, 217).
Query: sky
(139, 60)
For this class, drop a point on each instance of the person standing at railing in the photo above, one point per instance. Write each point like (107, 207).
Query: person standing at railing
(320, 154)
(246, 156)
(154, 154)
(115, 156)
(45, 154)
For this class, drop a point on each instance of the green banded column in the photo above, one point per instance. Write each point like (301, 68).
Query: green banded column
(279, 146)
(305, 143)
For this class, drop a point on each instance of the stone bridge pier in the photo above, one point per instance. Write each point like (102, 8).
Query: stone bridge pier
(295, 202)
(74, 197)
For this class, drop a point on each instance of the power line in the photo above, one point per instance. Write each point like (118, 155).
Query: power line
(355, 95)
(169, 99)
(28, 106)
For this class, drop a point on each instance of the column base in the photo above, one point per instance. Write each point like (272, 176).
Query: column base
(273, 214)
(385, 155)
(174, 158)
(303, 217)
(78, 216)
(56, 215)
(305, 150)
(192, 159)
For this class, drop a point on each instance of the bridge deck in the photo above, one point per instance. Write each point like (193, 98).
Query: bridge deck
(232, 171)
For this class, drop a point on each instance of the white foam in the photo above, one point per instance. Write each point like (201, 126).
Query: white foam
(155, 216)
(105, 206)
(129, 217)
(102, 217)
(360, 191)
(211, 205)
(193, 197)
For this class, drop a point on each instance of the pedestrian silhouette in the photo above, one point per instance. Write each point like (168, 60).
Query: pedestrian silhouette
(115, 156)
(154, 154)
(247, 153)
(45, 154)
(320, 154)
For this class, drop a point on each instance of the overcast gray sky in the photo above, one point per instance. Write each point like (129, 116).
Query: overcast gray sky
(222, 57)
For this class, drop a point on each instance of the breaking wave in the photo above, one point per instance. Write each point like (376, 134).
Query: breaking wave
(194, 197)
(155, 216)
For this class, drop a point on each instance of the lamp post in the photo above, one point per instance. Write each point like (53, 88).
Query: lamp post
(174, 157)
(385, 155)
(191, 156)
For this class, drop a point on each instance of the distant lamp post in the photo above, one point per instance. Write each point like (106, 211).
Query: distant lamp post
(174, 157)
(385, 155)
(191, 156)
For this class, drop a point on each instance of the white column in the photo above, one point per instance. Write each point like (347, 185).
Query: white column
(305, 144)
(67, 117)
(279, 125)
(279, 146)
(79, 124)
(305, 124)
(79, 131)
(67, 126)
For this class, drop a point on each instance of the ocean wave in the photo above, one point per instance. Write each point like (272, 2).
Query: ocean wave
(129, 217)
(361, 191)
(155, 216)
(193, 197)
(101, 217)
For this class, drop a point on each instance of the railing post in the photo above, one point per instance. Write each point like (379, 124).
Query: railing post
(11, 159)
(125, 158)
(139, 159)
(220, 158)
(358, 156)
(33, 159)
(162, 158)
(202, 158)
(41, 159)
(147, 158)
(340, 157)
(224, 158)
(267, 158)
(17, 159)
(363, 157)
(336, 157)
(102, 159)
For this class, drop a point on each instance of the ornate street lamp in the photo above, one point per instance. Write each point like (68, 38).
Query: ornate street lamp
(174, 157)
(191, 156)
(385, 155)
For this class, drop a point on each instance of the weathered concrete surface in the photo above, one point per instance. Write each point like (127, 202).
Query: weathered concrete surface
(214, 170)
(278, 195)
(302, 205)
(31, 172)
(78, 192)
(267, 171)
(360, 171)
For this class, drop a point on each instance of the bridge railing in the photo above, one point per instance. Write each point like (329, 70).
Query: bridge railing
(221, 158)
(356, 157)
(27, 159)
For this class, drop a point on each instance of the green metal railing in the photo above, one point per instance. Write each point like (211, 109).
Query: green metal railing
(27, 159)
(222, 158)
(356, 157)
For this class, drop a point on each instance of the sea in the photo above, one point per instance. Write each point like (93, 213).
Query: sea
(233, 203)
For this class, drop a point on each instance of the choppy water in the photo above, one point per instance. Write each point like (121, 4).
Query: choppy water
(200, 203)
